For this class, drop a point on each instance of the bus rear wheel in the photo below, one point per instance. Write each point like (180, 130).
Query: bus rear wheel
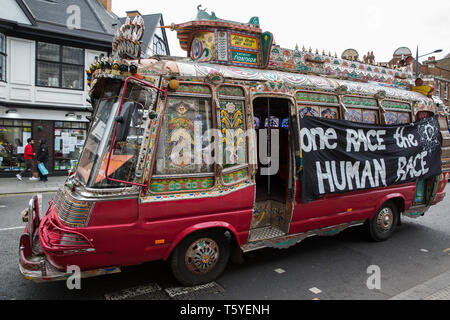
(200, 258)
(383, 223)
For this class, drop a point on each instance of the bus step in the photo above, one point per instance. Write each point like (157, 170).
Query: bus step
(265, 233)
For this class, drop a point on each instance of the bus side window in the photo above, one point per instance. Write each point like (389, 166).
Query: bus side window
(183, 137)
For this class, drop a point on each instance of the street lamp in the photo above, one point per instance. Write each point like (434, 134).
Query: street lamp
(417, 58)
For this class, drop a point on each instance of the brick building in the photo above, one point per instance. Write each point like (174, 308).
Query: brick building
(433, 72)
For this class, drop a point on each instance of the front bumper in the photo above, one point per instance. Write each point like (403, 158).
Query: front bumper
(33, 263)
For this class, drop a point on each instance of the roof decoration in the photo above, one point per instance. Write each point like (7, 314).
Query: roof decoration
(213, 43)
(126, 47)
(127, 41)
(210, 39)
(324, 64)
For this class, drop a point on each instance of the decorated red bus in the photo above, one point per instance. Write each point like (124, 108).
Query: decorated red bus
(240, 145)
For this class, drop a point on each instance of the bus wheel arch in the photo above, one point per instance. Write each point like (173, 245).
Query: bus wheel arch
(382, 224)
(201, 256)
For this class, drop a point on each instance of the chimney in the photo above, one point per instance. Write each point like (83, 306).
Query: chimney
(107, 4)
(133, 13)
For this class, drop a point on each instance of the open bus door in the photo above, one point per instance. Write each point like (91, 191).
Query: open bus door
(276, 141)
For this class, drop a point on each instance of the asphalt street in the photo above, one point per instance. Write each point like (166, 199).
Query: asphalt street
(325, 268)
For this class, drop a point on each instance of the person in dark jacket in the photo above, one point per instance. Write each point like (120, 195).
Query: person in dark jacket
(42, 156)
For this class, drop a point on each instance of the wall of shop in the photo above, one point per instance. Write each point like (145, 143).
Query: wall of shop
(65, 140)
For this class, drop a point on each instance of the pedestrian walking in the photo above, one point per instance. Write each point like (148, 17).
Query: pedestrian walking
(42, 158)
(28, 157)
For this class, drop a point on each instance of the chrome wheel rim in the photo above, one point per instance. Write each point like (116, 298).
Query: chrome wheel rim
(202, 256)
(385, 220)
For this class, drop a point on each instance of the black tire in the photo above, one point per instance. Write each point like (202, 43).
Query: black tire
(200, 258)
(383, 223)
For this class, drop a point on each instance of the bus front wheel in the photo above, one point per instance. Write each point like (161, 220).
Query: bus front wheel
(383, 223)
(200, 258)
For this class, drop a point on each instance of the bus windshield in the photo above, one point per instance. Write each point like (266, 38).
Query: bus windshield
(92, 166)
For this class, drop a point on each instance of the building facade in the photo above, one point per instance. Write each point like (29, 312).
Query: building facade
(45, 48)
(435, 73)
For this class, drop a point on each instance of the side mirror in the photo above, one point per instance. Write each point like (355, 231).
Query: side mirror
(123, 121)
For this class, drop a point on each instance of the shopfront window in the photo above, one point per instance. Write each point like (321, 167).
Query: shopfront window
(69, 141)
(59, 66)
(2, 57)
(13, 139)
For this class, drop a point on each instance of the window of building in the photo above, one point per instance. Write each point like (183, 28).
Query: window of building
(446, 92)
(13, 139)
(2, 57)
(59, 66)
(158, 46)
(69, 141)
(438, 89)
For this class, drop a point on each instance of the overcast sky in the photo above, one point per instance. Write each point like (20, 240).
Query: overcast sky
(380, 26)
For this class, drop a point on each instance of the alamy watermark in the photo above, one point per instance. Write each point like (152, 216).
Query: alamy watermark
(74, 17)
(74, 280)
(224, 147)
(374, 280)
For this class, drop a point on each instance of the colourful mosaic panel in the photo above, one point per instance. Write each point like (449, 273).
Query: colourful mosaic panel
(233, 127)
(197, 194)
(359, 101)
(231, 91)
(179, 185)
(316, 97)
(329, 113)
(369, 116)
(193, 88)
(391, 117)
(403, 118)
(308, 112)
(353, 115)
(235, 176)
(396, 105)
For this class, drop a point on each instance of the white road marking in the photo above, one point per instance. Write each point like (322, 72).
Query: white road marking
(279, 270)
(315, 290)
(424, 250)
(2, 206)
(12, 228)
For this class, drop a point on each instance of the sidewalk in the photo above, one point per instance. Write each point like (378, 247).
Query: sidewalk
(437, 288)
(14, 186)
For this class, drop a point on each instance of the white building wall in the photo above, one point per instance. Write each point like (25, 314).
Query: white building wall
(21, 82)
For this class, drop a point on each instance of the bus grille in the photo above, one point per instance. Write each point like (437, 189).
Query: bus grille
(71, 213)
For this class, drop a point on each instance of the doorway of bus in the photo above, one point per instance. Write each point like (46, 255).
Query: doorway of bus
(274, 178)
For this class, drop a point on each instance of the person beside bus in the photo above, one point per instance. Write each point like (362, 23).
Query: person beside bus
(28, 157)
(42, 157)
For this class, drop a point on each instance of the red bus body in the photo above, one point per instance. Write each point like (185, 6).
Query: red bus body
(99, 221)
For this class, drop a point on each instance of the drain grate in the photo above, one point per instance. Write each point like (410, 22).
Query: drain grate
(188, 293)
(152, 289)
